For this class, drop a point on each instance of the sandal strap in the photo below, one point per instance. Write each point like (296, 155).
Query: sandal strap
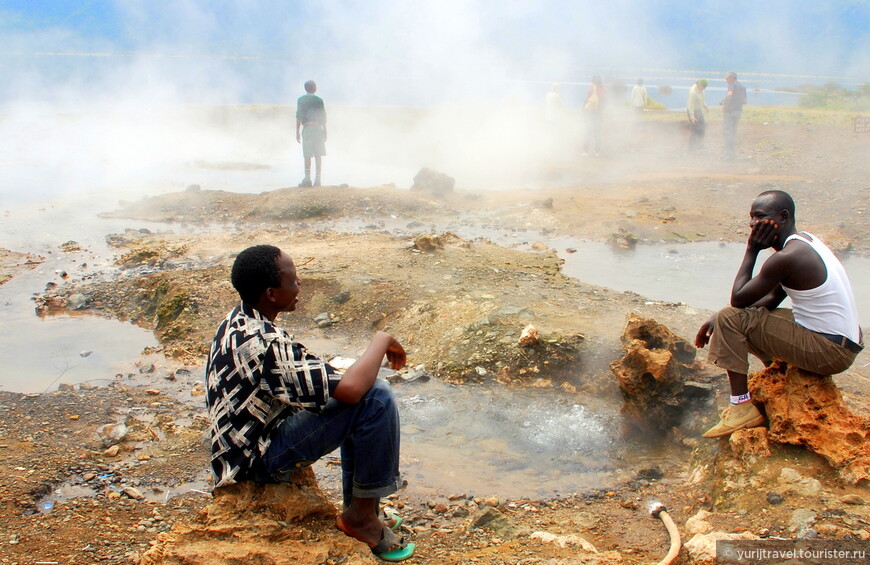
(388, 542)
(395, 518)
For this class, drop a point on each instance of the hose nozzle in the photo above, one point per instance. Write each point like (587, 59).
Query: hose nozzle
(656, 508)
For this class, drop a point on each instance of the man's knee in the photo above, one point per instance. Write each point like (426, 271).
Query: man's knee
(739, 320)
(730, 313)
(379, 405)
(382, 391)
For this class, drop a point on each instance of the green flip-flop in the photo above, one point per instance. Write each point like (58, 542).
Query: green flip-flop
(397, 520)
(393, 548)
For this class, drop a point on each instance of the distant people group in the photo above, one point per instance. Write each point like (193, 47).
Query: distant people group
(596, 102)
(311, 119)
(732, 108)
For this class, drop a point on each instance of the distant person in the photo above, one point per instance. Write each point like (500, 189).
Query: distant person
(553, 106)
(695, 108)
(311, 119)
(732, 107)
(820, 333)
(275, 408)
(593, 107)
(554, 124)
(639, 96)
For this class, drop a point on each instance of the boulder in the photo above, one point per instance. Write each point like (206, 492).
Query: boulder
(702, 547)
(807, 409)
(529, 336)
(112, 434)
(429, 242)
(280, 524)
(698, 523)
(434, 182)
(654, 374)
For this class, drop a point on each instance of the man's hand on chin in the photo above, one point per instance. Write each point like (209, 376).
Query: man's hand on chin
(763, 234)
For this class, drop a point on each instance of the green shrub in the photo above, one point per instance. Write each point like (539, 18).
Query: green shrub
(816, 99)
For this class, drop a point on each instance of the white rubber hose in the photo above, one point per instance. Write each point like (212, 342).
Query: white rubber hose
(658, 510)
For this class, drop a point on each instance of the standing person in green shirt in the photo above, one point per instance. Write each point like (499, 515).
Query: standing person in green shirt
(311, 131)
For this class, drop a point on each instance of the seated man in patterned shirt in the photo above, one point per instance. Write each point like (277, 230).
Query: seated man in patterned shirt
(275, 407)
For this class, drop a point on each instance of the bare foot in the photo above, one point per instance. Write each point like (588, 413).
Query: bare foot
(369, 530)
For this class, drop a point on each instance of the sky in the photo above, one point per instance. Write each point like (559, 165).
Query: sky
(410, 52)
(107, 92)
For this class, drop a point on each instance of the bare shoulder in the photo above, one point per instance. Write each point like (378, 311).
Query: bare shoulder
(798, 246)
(795, 249)
(794, 255)
(798, 256)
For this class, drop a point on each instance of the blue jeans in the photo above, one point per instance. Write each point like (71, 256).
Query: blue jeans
(366, 432)
(729, 128)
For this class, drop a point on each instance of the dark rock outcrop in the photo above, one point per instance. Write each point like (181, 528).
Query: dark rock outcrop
(656, 375)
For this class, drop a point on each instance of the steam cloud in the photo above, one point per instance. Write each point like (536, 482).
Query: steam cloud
(102, 92)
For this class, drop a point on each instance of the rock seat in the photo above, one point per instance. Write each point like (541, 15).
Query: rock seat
(804, 408)
(274, 524)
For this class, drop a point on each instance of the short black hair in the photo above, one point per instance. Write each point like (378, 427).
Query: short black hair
(310, 86)
(781, 199)
(254, 270)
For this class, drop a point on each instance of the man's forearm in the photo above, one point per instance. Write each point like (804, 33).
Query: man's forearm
(359, 377)
(742, 296)
(771, 300)
(744, 273)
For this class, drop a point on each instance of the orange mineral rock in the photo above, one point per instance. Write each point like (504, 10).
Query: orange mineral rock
(804, 408)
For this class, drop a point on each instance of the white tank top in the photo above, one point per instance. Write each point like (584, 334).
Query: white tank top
(830, 307)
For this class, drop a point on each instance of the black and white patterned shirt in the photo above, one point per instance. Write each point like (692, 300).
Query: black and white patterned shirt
(256, 376)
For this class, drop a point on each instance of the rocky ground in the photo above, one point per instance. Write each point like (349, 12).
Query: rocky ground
(383, 258)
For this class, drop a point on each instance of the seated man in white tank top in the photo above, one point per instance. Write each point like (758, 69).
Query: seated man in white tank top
(821, 334)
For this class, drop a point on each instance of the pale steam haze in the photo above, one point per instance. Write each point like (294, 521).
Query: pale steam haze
(136, 97)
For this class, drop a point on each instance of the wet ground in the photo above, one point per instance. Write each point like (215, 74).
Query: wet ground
(537, 440)
(518, 442)
(78, 346)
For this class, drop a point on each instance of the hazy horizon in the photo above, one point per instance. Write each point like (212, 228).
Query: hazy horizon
(418, 53)
(107, 93)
